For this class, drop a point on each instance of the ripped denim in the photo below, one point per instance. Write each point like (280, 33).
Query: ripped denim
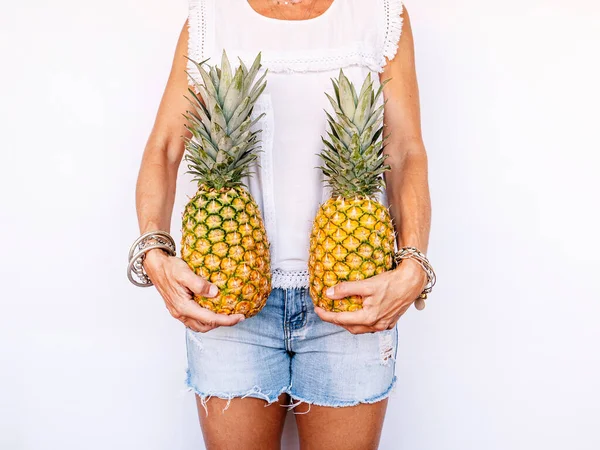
(288, 349)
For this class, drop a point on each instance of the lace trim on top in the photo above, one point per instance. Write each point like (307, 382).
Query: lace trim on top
(196, 37)
(289, 280)
(324, 61)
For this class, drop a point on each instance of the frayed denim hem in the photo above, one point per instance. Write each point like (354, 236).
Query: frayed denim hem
(341, 404)
(255, 392)
(270, 398)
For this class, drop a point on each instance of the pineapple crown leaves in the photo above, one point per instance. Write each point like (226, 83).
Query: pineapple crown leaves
(353, 158)
(223, 143)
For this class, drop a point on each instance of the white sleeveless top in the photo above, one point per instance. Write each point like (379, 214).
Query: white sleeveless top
(301, 58)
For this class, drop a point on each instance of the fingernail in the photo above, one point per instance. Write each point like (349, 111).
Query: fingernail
(213, 291)
(330, 292)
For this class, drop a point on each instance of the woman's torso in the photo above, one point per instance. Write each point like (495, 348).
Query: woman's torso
(302, 57)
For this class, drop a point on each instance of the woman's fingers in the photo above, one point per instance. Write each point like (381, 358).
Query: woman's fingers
(212, 320)
(349, 288)
(193, 325)
(360, 317)
(359, 329)
(202, 320)
(198, 285)
(199, 318)
(356, 322)
(175, 287)
(362, 329)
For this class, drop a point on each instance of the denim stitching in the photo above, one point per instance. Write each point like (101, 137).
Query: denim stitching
(297, 320)
(304, 307)
(286, 326)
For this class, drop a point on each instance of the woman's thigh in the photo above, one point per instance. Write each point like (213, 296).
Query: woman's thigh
(241, 375)
(348, 428)
(242, 423)
(340, 381)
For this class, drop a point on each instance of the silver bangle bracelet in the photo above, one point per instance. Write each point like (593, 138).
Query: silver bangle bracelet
(137, 253)
(419, 257)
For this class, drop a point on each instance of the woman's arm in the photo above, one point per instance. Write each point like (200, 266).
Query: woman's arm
(155, 195)
(407, 184)
(155, 191)
(387, 296)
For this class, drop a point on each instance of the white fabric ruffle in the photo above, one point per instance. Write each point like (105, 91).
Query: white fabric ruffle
(393, 29)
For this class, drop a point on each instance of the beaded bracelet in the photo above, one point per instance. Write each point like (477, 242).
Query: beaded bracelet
(137, 253)
(419, 257)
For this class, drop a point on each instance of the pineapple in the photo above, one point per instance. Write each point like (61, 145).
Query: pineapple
(353, 235)
(224, 238)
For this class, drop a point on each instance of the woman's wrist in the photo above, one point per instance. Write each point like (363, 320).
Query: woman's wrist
(413, 271)
(146, 244)
(417, 266)
(154, 258)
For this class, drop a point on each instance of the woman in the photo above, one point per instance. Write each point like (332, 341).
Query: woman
(337, 368)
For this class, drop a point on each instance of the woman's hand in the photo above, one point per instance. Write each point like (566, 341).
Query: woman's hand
(385, 298)
(176, 283)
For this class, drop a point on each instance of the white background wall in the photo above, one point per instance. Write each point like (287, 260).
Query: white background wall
(504, 357)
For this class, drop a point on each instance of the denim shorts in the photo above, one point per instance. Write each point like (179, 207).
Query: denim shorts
(287, 348)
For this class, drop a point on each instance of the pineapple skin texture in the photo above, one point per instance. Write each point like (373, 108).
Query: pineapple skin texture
(224, 241)
(351, 239)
